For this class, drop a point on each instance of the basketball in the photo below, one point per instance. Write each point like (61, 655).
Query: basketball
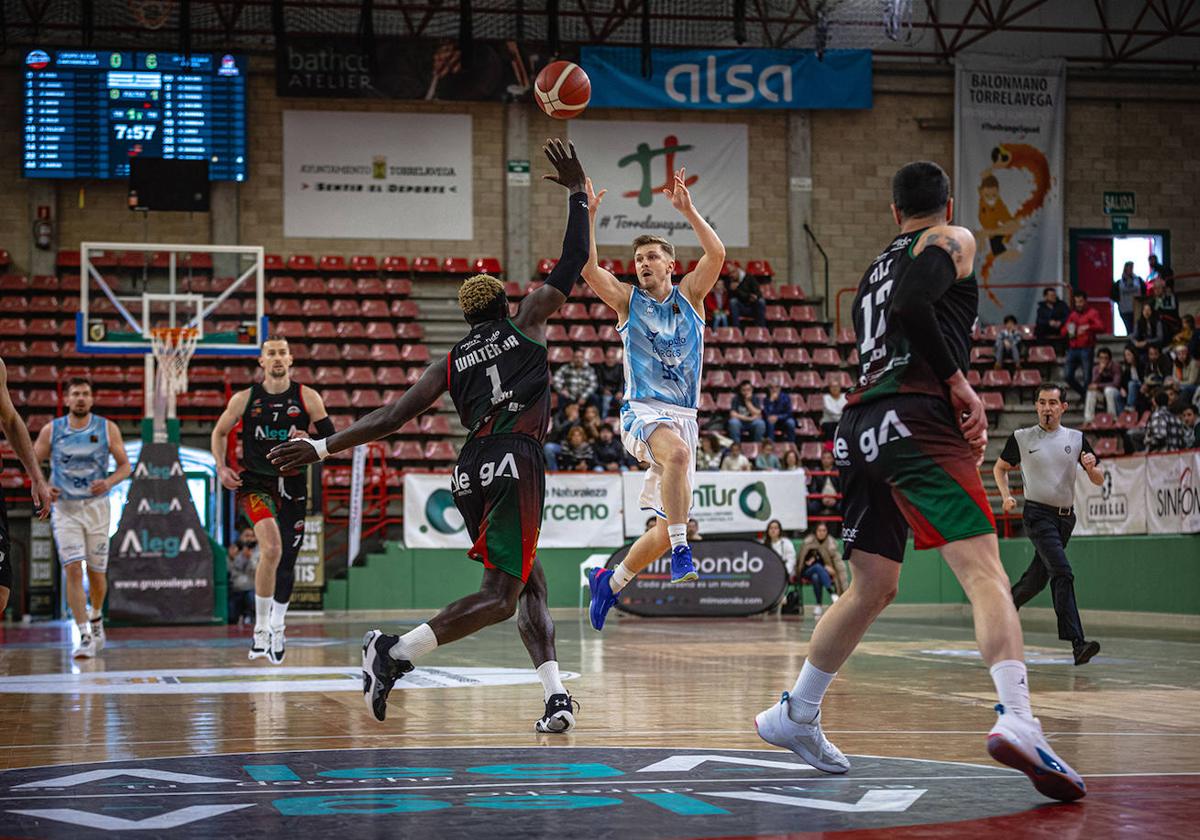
(562, 90)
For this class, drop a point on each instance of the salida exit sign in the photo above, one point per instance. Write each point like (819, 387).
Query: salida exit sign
(1120, 203)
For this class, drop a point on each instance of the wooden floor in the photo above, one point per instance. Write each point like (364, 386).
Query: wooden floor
(1129, 721)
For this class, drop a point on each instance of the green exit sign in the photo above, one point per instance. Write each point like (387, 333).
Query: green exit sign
(1120, 203)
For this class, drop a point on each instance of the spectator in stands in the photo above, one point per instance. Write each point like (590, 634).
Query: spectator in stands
(575, 382)
(242, 562)
(1148, 331)
(777, 541)
(610, 377)
(1194, 341)
(591, 423)
(1131, 377)
(1189, 415)
(577, 454)
(1008, 343)
(1186, 333)
(1051, 315)
(734, 460)
(1185, 372)
(746, 414)
(693, 531)
(791, 461)
(1156, 271)
(1081, 329)
(813, 571)
(766, 458)
(833, 403)
(1125, 294)
(777, 412)
(745, 299)
(716, 305)
(556, 437)
(708, 456)
(824, 485)
(609, 451)
(1106, 382)
(820, 539)
(1166, 305)
(1164, 432)
(1154, 374)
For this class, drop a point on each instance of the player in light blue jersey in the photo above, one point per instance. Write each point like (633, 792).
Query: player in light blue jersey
(662, 328)
(78, 445)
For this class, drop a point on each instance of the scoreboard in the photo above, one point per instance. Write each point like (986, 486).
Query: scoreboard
(88, 112)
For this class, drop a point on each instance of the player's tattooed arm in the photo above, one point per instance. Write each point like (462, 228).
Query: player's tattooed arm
(956, 241)
(380, 423)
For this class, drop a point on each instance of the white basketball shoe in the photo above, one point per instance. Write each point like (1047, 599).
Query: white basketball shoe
(1019, 743)
(260, 645)
(86, 649)
(804, 739)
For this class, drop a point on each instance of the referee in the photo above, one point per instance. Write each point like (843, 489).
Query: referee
(1047, 455)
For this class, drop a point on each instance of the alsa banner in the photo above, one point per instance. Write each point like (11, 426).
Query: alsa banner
(581, 510)
(1173, 493)
(355, 175)
(635, 161)
(728, 79)
(1118, 506)
(732, 502)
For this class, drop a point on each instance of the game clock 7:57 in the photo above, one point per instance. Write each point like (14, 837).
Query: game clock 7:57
(134, 132)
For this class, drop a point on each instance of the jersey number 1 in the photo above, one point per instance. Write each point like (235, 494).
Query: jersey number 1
(498, 395)
(870, 304)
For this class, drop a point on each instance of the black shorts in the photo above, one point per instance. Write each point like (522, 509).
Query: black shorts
(282, 499)
(499, 487)
(905, 464)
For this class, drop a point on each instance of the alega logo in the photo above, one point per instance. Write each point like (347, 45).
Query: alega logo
(140, 542)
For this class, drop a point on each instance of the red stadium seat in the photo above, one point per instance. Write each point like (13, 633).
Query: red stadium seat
(738, 356)
(840, 377)
(285, 308)
(456, 265)
(767, 357)
(556, 334)
(375, 310)
(381, 331)
(301, 262)
(992, 401)
(316, 308)
(336, 398)
(1042, 354)
(409, 331)
(405, 310)
(435, 424)
(415, 354)
(50, 283)
(810, 452)
(346, 308)
(312, 286)
(769, 292)
(583, 334)
(322, 352)
(14, 326)
(778, 377)
(14, 303)
(272, 263)
(600, 312)
(288, 329)
(805, 314)
(340, 287)
(1103, 422)
(982, 355)
(364, 265)
(67, 258)
(545, 266)
(791, 293)
(388, 353)
(359, 352)
(408, 451)
(397, 287)
(559, 354)
(759, 269)
(1108, 447)
(730, 267)
(1027, 378)
(996, 379)
(814, 403)
(845, 336)
(826, 357)
(707, 404)
(724, 401)
(593, 355)
(332, 262)
(366, 398)
(487, 265)
(806, 428)
(413, 375)
(750, 375)
(814, 335)
(609, 335)
(795, 357)
(513, 289)
(283, 285)
(317, 330)
(395, 265)
(785, 337)
(573, 312)
(756, 335)
(777, 314)
(440, 451)
(371, 287)
(713, 357)
(1127, 419)
(390, 376)
(426, 265)
(14, 283)
(973, 378)
(717, 380)
(359, 375)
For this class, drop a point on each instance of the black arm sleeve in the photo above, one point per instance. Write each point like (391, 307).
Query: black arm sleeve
(575, 246)
(926, 280)
(1087, 449)
(324, 426)
(1012, 452)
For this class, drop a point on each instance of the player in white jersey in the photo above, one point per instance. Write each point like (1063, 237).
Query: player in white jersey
(78, 445)
(662, 328)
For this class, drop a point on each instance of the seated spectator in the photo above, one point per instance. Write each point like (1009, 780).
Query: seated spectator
(823, 489)
(610, 378)
(1106, 381)
(575, 382)
(1185, 372)
(1131, 377)
(774, 539)
(820, 539)
(833, 403)
(746, 415)
(766, 458)
(716, 305)
(813, 571)
(1008, 343)
(734, 460)
(1154, 373)
(590, 421)
(1148, 331)
(609, 451)
(1189, 415)
(557, 435)
(1051, 315)
(708, 456)
(791, 461)
(746, 300)
(777, 412)
(1164, 432)
(1186, 333)
(577, 454)
(693, 531)
(242, 562)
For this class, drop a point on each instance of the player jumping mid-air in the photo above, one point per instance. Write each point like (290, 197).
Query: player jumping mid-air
(662, 328)
(499, 379)
(17, 436)
(273, 500)
(909, 447)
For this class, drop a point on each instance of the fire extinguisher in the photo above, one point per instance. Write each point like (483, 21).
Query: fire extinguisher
(43, 234)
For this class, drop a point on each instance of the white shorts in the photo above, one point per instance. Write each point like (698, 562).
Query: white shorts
(639, 419)
(80, 529)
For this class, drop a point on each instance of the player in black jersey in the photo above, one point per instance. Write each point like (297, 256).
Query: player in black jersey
(17, 435)
(273, 500)
(499, 380)
(909, 445)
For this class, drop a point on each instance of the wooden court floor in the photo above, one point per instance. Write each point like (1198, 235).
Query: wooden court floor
(911, 708)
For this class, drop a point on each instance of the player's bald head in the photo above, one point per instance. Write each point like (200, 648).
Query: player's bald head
(482, 298)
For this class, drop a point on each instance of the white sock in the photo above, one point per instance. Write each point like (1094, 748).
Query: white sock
(415, 643)
(278, 614)
(262, 613)
(95, 615)
(678, 534)
(808, 692)
(1012, 684)
(620, 577)
(85, 630)
(551, 682)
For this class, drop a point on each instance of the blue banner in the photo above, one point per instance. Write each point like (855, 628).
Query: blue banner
(729, 79)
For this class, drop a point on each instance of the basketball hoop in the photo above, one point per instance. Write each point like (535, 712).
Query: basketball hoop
(173, 348)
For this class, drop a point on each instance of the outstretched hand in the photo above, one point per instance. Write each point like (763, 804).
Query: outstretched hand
(594, 198)
(293, 454)
(679, 196)
(568, 169)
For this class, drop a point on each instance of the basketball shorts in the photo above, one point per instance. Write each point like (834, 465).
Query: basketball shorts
(80, 528)
(905, 465)
(282, 499)
(639, 419)
(499, 487)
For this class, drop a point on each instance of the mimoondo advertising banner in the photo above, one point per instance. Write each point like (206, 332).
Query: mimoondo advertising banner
(1010, 124)
(160, 566)
(731, 502)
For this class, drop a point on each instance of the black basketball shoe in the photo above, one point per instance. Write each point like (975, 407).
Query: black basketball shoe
(380, 671)
(559, 715)
(1084, 651)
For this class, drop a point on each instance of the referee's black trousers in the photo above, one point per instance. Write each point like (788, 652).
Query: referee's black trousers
(1049, 531)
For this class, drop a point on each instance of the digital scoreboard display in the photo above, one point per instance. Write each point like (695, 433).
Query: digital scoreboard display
(87, 112)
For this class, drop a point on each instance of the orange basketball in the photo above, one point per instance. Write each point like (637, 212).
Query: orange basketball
(562, 90)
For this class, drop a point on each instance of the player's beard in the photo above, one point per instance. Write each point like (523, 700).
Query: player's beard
(78, 411)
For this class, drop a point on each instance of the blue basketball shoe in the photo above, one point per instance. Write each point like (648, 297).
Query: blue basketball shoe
(682, 567)
(603, 598)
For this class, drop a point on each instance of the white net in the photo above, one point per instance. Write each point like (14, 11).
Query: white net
(173, 348)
